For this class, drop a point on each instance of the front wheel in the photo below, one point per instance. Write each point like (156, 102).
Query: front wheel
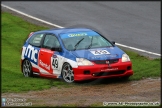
(67, 73)
(27, 69)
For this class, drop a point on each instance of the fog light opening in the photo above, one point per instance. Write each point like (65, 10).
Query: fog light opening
(129, 67)
(86, 72)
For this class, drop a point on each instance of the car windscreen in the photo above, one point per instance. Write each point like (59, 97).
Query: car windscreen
(83, 40)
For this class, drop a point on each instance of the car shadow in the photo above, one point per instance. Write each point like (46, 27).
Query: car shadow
(90, 82)
(102, 81)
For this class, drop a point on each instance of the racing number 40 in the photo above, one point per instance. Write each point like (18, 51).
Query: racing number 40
(55, 63)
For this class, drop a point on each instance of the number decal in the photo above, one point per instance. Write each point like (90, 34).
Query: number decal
(55, 63)
(104, 51)
(99, 52)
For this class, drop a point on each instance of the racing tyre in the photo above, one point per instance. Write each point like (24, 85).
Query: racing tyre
(27, 69)
(67, 73)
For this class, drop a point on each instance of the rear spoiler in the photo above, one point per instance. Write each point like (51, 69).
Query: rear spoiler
(30, 34)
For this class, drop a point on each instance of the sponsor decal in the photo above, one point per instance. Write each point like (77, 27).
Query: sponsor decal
(30, 52)
(109, 69)
(44, 65)
(54, 56)
(103, 57)
(78, 34)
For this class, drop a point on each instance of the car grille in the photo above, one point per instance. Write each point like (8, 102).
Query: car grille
(109, 73)
(104, 61)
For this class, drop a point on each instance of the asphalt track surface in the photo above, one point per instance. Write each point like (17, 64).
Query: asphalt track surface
(134, 23)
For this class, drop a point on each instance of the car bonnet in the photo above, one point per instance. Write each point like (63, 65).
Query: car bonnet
(99, 53)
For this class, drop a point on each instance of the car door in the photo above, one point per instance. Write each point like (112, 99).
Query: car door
(47, 60)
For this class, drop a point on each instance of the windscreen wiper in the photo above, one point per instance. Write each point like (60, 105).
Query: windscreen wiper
(77, 43)
(90, 43)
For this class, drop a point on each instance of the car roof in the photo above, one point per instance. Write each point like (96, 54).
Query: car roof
(64, 30)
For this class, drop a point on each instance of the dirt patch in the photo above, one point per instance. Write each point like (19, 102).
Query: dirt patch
(147, 90)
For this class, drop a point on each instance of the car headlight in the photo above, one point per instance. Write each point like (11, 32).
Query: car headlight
(83, 62)
(125, 58)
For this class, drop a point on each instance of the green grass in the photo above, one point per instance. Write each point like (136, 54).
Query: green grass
(144, 67)
(14, 32)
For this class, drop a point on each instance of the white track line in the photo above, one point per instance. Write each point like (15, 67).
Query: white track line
(63, 27)
(138, 49)
(31, 16)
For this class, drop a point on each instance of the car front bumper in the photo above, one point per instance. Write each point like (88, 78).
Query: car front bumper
(96, 71)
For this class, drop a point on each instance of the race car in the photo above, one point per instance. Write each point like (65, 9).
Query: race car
(73, 54)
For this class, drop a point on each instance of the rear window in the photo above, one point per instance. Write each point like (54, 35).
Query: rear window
(36, 39)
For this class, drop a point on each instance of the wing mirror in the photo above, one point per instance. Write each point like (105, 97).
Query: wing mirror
(113, 42)
(56, 49)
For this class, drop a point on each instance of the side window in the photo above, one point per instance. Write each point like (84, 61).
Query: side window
(36, 39)
(51, 41)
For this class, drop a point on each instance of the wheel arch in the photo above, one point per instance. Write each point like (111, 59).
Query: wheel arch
(73, 64)
(64, 64)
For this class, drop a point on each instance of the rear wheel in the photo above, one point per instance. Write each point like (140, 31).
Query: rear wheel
(67, 73)
(27, 69)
